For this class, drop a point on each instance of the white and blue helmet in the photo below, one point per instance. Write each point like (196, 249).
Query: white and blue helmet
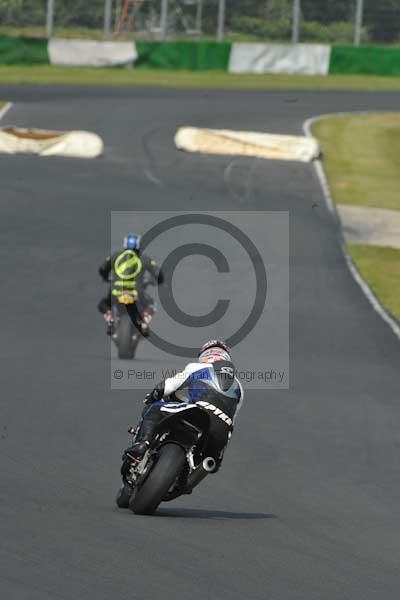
(214, 350)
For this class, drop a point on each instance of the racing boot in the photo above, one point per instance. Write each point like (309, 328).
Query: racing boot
(142, 442)
(145, 323)
(132, 456)
(108, 317)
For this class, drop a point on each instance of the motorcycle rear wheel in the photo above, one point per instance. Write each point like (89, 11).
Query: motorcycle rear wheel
(125, 336)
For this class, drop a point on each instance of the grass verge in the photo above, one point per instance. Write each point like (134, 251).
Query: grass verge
(380, 267)
(47, 74)
(362, 158)
(362, 163)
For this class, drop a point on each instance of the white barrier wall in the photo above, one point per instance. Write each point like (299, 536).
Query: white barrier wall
(88, 53)
(306, 59)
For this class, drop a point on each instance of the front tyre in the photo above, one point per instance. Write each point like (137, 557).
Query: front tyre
(170, 462)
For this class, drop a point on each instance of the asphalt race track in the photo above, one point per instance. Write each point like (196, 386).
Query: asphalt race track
(307, 503)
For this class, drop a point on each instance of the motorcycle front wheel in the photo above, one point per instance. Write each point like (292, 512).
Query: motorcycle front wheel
(169, 464)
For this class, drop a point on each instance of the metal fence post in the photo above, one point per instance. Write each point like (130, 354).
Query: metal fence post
(296, 21)
(164, 18)
(359, 22)
(199, 15)
(107, 18)
(221, 21)
(50, 18)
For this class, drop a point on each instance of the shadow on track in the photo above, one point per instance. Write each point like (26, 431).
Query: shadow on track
(198, 513)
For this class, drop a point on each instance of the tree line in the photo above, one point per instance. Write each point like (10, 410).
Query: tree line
(261, 18)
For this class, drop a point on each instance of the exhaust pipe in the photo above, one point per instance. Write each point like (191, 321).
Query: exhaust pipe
(207, 466)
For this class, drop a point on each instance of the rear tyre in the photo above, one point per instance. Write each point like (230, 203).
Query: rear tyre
(170, 462)
(123, 496)
(125, 333)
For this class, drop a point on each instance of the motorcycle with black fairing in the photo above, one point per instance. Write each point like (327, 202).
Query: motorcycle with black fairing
(131, 319)
(175, 462)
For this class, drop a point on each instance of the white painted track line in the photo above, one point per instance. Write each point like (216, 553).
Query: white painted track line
(5, 109)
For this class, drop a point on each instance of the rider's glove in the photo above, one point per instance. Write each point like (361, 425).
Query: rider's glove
(148, 399)
(155, 395)
(104, 276)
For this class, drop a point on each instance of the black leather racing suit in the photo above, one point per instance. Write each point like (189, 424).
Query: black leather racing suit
(214, 385)
(126, 270)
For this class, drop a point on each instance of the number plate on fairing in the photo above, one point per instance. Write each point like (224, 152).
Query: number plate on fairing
(127, 299)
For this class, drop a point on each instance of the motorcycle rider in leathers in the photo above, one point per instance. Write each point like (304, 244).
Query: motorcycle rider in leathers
(126, 270)
(210, 379)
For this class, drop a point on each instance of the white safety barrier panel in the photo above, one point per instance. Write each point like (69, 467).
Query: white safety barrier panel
(306, 59)
(78, 144)
(244, 143)
(89, 53)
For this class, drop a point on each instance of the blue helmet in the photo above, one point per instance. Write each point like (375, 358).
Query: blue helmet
(132, 242)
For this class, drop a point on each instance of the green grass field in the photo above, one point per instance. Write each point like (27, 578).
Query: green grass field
(362, 158)
(46, 74)
(380, 267)
(362, 162)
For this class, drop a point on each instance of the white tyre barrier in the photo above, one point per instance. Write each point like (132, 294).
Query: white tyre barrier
(244, 143)
(77, 144)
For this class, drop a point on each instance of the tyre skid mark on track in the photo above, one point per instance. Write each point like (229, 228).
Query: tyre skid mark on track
(152, 170)
(151, 177)
(149, 173)
(245, 196)
(323, 180)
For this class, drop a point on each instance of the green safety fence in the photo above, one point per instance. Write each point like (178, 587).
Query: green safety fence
(189, 56)
(22, 50)
(365, 60)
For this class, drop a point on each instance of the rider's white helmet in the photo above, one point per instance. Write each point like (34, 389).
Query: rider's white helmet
(214, 350)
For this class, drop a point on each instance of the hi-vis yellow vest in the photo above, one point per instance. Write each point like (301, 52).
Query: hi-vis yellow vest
(127, 266)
